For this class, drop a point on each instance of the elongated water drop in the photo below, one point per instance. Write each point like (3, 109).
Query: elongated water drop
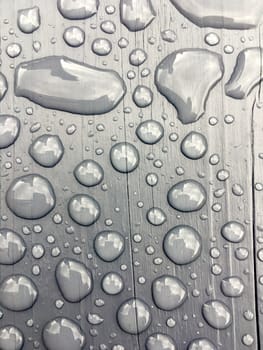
(28, 20)
(50, 82)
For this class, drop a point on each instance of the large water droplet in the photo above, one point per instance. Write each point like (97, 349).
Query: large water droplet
(49, 82)
(18, 293)
(186, 78)
(136, 14)
(134, 316)
(217, 314)
(77, 9)
(28, 20)
(194, 145)
(124, 157)
(247, 73)
(12, 247)
(159, 341)
(74, 280)
(150, 132)
(63, 334)
(83, 209)
(201, 344)
(47, 150)
(187, 196)
(9, 130)
(233, 231)
(89, 173)
(31, 197)
(182, 244)
(3, 86)
(168, 292)
(109, 245)
(11, 338)
(221, 14)
(101, 46)
(232, 286)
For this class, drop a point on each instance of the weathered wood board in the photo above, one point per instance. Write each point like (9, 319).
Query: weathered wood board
(230, 172)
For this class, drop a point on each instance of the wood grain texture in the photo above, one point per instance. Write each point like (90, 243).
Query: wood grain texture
(238, 146)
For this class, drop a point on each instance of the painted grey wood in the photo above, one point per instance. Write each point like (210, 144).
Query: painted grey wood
(238, 146)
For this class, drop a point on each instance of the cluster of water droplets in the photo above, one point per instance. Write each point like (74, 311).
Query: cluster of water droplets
(64, 84)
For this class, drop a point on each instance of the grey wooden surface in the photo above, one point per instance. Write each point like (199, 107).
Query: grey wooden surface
(238, 145)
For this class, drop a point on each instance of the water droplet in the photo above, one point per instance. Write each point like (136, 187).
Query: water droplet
(134, 316)
(187, 196)
(217, 314)
(94, 319)
(159, 341)
(108, 27)
(182, 244)
(13, 50)
(223, 14)
(168, 292)
(109, 245)
(49, 82)
(112, 283)
(194, 145)
(83, 209)
(156, 216)
(201, 344)
(12, 247)
(150, 132)
(74, 36)
(47, 150)
(3, 86)
(101, 46)
(74, 280)
(245, 75)
(142, 96)
(136, 14)
(63, 334)
(77, 9)
(11, 338)
(212, 39)
(137, 57)
(28, 20)
(9, 130)
(124, 157)
(189, 95)
(232, 286)
(18, 293)
(233, 231)
(89, 173)
(31, 197)
(168, 35)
